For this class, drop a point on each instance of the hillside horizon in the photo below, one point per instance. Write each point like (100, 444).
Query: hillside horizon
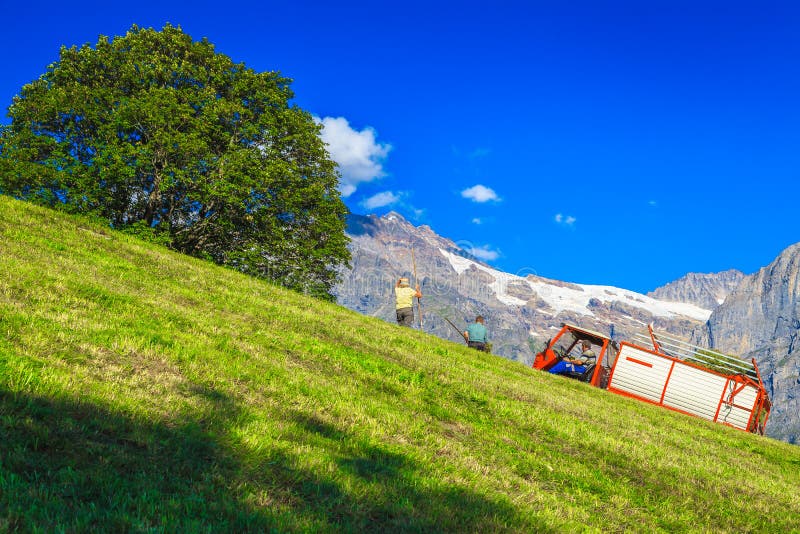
(145, 390)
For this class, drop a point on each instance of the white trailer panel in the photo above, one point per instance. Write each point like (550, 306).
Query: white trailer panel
(640, 373)
(675, 384)
(694, 390)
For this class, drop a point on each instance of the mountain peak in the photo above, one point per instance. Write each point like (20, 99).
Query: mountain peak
(394, 216)
(707, 290)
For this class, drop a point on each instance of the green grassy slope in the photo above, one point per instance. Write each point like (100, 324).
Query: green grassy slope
(141, 390)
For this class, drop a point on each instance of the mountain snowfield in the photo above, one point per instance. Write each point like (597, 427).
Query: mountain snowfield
(574, 297)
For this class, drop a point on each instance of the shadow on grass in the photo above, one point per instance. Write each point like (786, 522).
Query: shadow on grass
(396, 494)
(67, 465)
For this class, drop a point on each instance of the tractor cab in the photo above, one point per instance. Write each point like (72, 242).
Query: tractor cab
(567, 344)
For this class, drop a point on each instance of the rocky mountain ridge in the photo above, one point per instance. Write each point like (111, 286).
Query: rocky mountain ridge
(758, 315)
(705, 290)
(760, 319)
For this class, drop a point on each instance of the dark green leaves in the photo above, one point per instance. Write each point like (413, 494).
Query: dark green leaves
(153, 130)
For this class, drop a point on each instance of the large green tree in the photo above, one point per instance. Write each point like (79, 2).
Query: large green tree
(161, 135)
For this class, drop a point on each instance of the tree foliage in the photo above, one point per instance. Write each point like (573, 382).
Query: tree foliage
(162, 136)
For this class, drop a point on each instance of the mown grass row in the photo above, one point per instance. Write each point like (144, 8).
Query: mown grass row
(141, 390)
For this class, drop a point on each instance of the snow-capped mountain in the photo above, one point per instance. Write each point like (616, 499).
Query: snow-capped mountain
(576, 298)
(521, 311)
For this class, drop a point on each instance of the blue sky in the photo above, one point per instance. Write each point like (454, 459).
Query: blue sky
(623, 143)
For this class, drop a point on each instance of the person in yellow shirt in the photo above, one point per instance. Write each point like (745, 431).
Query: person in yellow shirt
(405, 301)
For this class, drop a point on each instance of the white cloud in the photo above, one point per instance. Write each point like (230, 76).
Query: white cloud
(359, 155)
(380, 200)
(653, 203)
(484, 253)
(480, 193)
(567, 220)
(477, 220)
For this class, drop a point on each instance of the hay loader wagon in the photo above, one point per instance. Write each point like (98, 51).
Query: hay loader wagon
(670, 373)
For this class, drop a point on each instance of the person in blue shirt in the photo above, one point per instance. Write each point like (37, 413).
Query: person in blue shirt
(576, 365)
(475, 334)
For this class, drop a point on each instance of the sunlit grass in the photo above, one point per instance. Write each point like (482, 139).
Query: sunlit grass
(142, 390)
